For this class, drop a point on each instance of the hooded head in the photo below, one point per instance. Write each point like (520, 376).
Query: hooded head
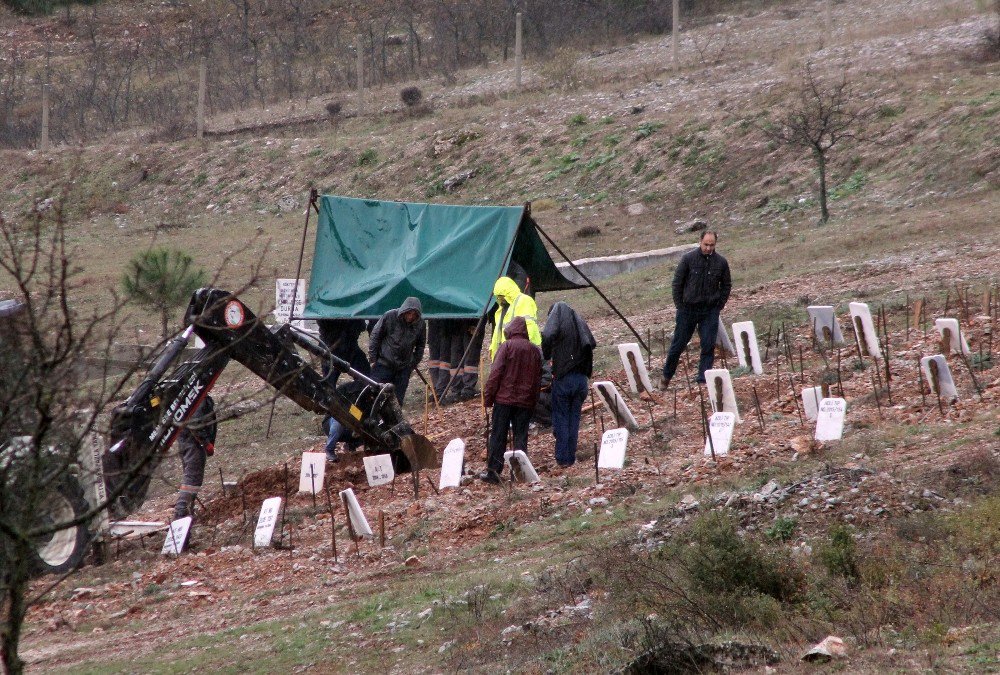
(517, 328)
(506, 289)
(409, 305)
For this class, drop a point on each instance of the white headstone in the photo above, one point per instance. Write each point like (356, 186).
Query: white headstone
(266, 521)
(864, 327)
(744, 335)
(176, 536)
(811, 396)
(518, 461)
(358, 520)
(613, 445)
(615, 403)
(379, 469)
(823, 317)
(311, 473)
(635, 367)
(720, 426)
(451, 464)
(283, 310)
(945, 383)
(717, 380)
(956, 339)
(830, 419)
(722, 339)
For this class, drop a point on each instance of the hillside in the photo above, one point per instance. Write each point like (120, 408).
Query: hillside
(887, 538)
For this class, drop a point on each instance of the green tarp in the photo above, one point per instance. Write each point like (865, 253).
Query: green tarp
(370, 255)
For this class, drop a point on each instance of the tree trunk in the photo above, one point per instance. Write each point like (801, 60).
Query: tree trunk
(15, 610)
(824, 213)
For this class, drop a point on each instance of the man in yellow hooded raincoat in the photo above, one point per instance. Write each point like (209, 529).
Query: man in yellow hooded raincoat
(512, 302)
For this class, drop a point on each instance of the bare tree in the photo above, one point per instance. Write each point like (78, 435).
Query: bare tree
(49, 405)
(820, 116)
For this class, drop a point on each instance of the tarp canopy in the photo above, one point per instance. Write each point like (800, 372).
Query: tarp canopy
(371, 255)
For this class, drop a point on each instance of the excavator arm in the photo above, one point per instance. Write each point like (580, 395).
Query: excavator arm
(144, 427)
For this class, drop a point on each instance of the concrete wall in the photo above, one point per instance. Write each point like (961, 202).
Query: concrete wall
(609, 266)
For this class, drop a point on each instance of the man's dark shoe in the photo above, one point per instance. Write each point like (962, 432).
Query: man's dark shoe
(490, 477)
(664, 383)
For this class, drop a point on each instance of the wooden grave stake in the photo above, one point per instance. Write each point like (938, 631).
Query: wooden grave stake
(840, 382)
(756, 400)
(878, 403)
(333, 524)
(381, 528)
(795, 399)
(920, 384)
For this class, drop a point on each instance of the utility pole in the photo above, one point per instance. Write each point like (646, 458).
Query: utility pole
(43, 143)
(202, 87)
(518, 58)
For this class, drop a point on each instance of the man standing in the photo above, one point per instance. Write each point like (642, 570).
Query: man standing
(512, 389)
(197, 443)
(511, 303)
(341, 337)
(701, 289)
(567, 340)
(396, 345)
(466, 346)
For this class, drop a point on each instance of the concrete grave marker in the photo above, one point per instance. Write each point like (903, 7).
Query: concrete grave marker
(358, 520)
(720, 425)
(864, 330)
(518, 461)
(938, 374)
(266, 521)
(747, 350)
(379, 470)
(311, 473)
(635, 367)
(830, 419)
(823, 319)
(721, 394)
(613, 445)
(722, 339)
(952, 339)
(811, 396)
(176, 536)
(613, 401)
(451, 464)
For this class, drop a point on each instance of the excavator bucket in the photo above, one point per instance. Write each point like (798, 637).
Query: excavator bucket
(420, 452)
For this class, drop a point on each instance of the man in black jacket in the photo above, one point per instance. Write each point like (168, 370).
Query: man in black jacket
(701, 289)
(567, 340)
(397, 344)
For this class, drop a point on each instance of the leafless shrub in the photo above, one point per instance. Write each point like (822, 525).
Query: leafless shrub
(411, 96)
(333, 108)
(587, 231)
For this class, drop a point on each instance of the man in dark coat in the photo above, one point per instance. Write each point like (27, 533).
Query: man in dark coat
(512, 390)
(701, 289)
(341, 337)
(397, 344)
(567, 340)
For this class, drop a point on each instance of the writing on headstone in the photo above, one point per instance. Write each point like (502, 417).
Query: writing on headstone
(451, 464)
(379, 470)
(830, 419)
(176, 536)
(613, 445)
(720, 426)
(311, 472)
(266, 521)
(284, 289)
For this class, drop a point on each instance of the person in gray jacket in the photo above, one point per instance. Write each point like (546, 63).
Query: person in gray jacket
(396, 345)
